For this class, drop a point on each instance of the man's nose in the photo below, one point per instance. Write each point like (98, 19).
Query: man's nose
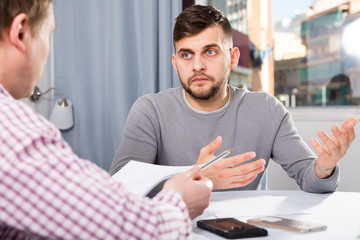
(199, 64)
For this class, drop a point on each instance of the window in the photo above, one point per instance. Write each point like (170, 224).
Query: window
(306, 49)
(330, 70)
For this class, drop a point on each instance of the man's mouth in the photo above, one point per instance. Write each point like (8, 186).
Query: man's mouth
(200, 79)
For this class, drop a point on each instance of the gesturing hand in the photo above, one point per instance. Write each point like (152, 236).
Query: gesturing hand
(227, 173)
(333, 148)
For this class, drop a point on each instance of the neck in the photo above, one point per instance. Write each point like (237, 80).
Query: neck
(3, 66)
(7, 70)
(212, 104)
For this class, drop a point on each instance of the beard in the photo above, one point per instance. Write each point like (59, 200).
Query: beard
(203, 93)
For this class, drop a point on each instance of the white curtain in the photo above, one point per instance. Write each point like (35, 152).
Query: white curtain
(107, 53)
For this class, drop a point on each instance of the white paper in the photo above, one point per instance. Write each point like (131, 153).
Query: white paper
(139, 177)
(254, 206)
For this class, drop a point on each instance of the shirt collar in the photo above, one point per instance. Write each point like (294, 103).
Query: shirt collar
(4, 92)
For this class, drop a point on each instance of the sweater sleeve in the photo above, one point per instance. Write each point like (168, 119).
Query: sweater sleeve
(139, 141)
(294, 155)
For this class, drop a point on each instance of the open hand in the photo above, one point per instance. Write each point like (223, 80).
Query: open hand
(227, 173)
(334, 147)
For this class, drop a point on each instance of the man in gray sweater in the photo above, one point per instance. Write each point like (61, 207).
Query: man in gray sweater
(170, 127)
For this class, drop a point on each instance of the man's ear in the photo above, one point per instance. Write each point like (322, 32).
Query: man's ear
(173, 61)
(235, 55)
(17, 31)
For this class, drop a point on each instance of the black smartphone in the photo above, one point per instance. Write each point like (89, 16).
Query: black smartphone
(231, 228)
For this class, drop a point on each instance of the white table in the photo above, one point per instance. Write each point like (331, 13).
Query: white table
(339, 211)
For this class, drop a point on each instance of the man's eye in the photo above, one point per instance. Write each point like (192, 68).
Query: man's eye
(186, 55)
(211, 52)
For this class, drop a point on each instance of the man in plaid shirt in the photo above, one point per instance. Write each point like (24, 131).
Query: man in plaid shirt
(46, 191)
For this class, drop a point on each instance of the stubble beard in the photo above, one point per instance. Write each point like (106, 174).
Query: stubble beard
(203, 94)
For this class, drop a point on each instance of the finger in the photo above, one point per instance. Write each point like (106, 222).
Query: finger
(211, 147)
(326, 148)
(194, 173)
(235, 160)
(329, 145)
(333, 148)
(334, 138)
(248, 168)
(318, 148)
(341, 139)
(348, 127)
(242, 183)
(352, 121)
(207, 182)
(247, 175)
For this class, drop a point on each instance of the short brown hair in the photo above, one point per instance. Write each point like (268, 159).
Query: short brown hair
(197, 18)
(36, 11)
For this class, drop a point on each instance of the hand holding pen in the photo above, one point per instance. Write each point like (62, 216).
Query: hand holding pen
(155, 190)
(230, 172)
(217, 158)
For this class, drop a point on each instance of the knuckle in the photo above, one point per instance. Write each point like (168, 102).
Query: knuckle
(218, 166)
(223, 174)
(235, 161)
(203, 150)
(321, 150)
(244, 169)
(333, 148)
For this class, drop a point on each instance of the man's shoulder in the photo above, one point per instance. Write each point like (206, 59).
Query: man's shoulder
(168, 95)
(10, 105)
(259, 101)
(18, 114)
(244, 93)
(162, 101)
(170, 92)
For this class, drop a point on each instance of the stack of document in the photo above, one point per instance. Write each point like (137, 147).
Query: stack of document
(140, 178)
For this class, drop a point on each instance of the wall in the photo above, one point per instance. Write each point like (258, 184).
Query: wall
(277, 179)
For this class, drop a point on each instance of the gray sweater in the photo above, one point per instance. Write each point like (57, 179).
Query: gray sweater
(164, 129)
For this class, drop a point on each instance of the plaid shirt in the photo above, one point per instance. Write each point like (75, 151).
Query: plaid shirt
(46, 191)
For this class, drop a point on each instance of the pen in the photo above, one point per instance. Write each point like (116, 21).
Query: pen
(220, 156)
(160, 185)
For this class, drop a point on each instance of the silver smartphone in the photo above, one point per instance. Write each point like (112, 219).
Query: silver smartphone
(287, 224)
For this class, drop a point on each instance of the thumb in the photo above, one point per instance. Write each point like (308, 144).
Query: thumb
(208, 151)
(194, 172)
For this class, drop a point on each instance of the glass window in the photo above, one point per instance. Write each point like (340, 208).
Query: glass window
(306, 49)
(330, 69)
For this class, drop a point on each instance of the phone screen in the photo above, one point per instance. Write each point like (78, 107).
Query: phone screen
(231, 228)
(227, 225)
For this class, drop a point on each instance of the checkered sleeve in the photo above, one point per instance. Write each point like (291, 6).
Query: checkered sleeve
(45, 189)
